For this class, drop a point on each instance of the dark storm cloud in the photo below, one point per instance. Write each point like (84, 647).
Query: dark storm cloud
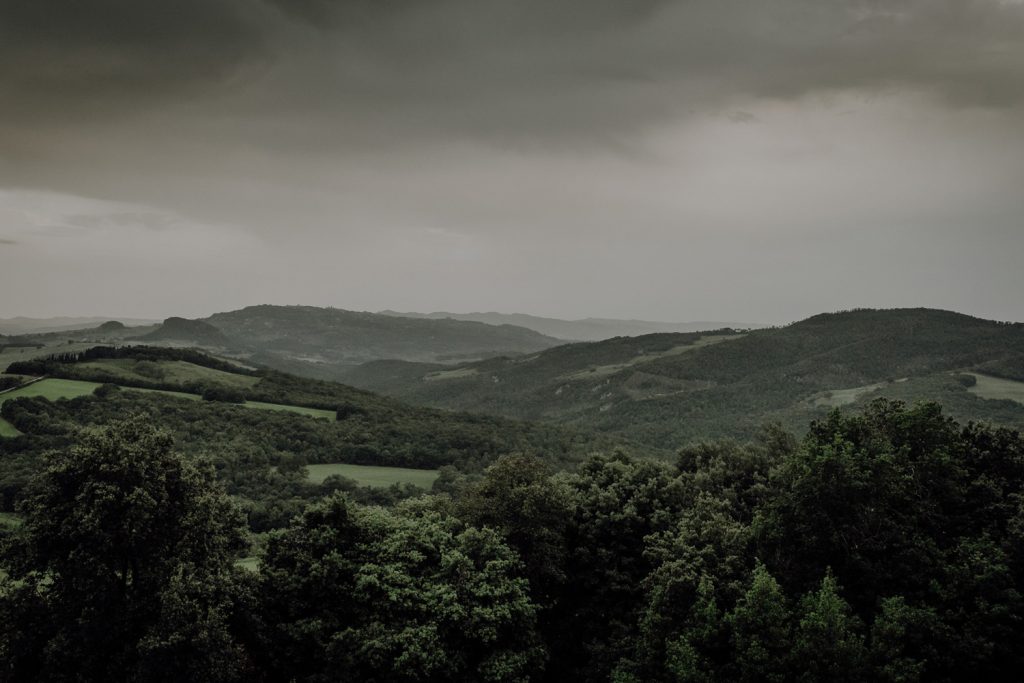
(497, 67)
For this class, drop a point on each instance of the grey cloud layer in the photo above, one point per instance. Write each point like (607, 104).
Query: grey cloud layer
(498, 67)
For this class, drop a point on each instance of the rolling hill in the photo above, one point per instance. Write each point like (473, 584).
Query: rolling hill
(325, 342)
(190, 332)
(668, 389)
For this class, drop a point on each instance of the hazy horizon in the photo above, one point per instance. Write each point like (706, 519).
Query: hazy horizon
(655, 160)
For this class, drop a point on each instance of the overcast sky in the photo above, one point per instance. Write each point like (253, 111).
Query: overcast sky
(741, 160)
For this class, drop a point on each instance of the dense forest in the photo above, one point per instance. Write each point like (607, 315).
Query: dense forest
(886, 545)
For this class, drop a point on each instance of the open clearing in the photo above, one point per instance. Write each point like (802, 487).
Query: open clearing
(604, 370)
(997, 388)
(843, 397)
(251, 563)
(52, 389)
(318, 413)
(370, 475)
(450, 374)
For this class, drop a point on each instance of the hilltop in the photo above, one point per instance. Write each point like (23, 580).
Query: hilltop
(666, 390)
(190, 332)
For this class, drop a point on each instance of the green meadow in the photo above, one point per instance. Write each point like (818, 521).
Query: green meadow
(301, 410)
(997, 388)
(367, 475)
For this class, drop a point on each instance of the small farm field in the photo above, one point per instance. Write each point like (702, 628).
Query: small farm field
(997, 388)
(370, 475)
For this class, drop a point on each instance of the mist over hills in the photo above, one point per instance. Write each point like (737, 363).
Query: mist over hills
(585, 329)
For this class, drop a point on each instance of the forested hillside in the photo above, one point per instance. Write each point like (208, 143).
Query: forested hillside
(324, 341)
(667, 390)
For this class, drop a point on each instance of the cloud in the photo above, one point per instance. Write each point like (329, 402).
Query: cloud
(493, 68)
(586, 147)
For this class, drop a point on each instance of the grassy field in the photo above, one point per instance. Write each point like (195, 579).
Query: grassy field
(450, 374)
(165, 392)
(251, 564)
(368, 475)
(52, 389)
(842, 397)
(997, 388)
(301, 410)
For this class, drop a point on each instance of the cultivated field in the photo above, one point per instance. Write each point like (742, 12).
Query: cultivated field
(367, 475)
(301, 410)
(52, 389)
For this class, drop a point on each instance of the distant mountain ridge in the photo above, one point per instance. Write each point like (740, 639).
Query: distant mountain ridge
(585, 329)
(23, 325)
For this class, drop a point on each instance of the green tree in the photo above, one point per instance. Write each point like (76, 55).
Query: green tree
(406, 595)
(123, 568)
(700, 651)
(761, 631)
(901, 641)
(620, 503)
(532, 511)
(828, 644)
